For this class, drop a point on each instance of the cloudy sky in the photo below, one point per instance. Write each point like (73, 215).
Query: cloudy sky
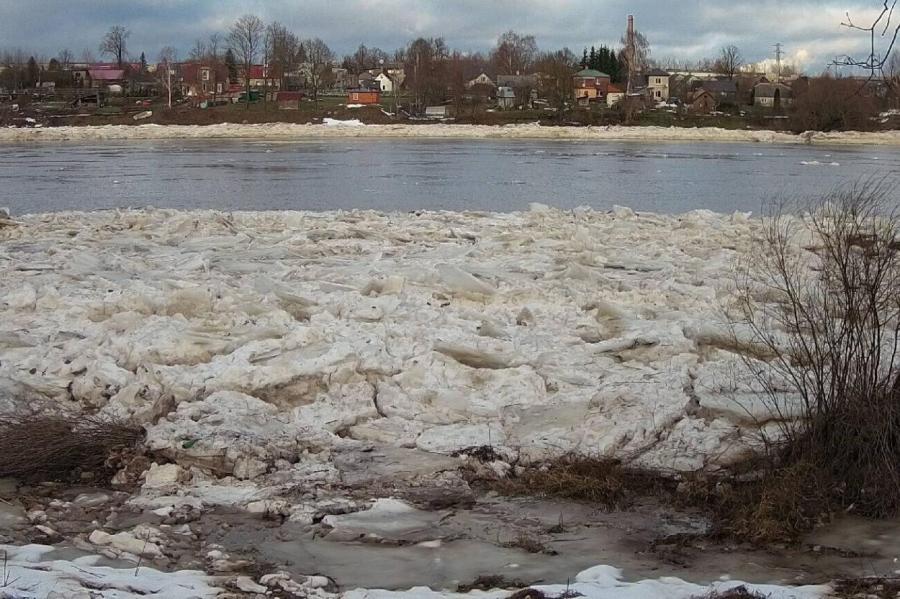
(688, 29)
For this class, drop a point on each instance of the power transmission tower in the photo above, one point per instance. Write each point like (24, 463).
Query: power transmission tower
(779, 52)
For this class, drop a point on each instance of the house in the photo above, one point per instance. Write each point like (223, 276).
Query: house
(385, 83)
(366, 80)
(723, 90)
(482, 79)
(506, 98)
(772, 95)
(264, 76)
(199, 80)
(703, 102)
(658, 85)
(590, 85)
(102, 77)
(363, 96)
(524, 87)
(289, 100)
(614, 94)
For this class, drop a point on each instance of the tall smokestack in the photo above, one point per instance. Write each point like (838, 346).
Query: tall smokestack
(629, 54)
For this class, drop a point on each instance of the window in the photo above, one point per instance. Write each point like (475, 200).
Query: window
(205, 74)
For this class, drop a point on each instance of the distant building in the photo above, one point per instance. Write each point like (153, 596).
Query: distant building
(590, 85)
(364, 96)
(614, 94)
(723, 90)
(772, 95)
(703, 102)
(385, 83)
(506, 98)
(199, 80)
(289, 100)
(264, 76)
(482, 79)
(658, 85)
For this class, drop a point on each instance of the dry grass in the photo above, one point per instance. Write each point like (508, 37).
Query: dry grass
(603, 482)
(61, 447)
(740, 592)
(868, 588)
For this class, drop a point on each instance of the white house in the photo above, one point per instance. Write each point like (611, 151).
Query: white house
(385, 83)
(658, 85)
(482, 79)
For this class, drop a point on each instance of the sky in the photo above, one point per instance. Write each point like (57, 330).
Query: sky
(686, 29)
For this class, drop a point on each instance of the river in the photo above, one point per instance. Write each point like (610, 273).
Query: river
(405, 175)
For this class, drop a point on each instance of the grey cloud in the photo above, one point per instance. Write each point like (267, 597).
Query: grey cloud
(687, 29)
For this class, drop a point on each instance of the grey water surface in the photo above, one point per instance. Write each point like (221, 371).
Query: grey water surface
(405, 175)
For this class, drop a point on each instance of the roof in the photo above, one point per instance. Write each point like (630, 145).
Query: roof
(657, 73)
(107, 74)
(516, 80)
(615, 89)
(767, 90)
(720, 86)
(590, 73)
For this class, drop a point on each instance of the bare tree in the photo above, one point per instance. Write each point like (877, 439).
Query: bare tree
(284, 47)
(198, 51)
(729, 62)
(319, 58)
(557, 83)
(168, 60)
(892, 78)
(65, 58)
(514, 53)
(88, 56)
(883, 33)
(212, 46)
(115, 43)
(246, 40)
(641, 59)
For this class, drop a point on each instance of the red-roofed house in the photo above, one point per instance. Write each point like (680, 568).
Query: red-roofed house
(98, 78)
(199, 81)
(264, 76)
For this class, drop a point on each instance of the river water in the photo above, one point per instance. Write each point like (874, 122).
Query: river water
(389, 175)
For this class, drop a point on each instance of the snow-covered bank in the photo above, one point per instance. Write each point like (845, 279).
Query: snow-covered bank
(339, 129)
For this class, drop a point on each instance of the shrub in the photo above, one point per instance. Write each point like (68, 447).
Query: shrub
(829, 104)
(823, 297)
(61, 446)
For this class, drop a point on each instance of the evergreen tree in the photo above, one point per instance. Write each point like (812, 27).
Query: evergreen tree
(584, 60)
(592, 60)
(143, 63)
(231, 65)
(32, 72)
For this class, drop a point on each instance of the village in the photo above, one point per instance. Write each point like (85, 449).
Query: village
(265, 73)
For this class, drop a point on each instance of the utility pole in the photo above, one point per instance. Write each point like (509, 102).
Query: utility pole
(779, 52)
